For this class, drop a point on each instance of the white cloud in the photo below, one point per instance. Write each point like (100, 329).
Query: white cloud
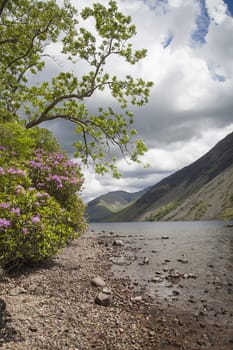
(191, 104)
(217, 10)
(163, 163)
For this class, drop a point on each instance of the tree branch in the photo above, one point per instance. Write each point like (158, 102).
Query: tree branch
(8, 41)
(3, 5)
(31, 45)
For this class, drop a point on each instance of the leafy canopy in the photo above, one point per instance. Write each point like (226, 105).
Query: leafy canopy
(27, 28)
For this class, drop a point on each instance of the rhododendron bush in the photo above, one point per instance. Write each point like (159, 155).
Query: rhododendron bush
(40, 210)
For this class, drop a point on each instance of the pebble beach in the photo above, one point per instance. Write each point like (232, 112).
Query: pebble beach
(77, 302)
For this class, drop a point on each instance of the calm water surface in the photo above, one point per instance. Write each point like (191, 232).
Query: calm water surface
(204, 249)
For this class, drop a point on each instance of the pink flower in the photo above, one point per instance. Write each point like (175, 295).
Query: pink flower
(35, 219)
(60, 156)
(56, 178)
(73, 180)
(4, 205)
(35, 164)
(39, 195)
(12, 171)
(4, 223)
(31, 189)
(19, 189)
(15, 211)
(25, 230)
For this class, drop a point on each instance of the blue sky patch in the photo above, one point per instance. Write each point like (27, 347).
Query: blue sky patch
(219, 77)
(167, 41)
(153, 5)
(202, 23)
(230, 6)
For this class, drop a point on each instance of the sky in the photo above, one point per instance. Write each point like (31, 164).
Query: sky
(190, 61)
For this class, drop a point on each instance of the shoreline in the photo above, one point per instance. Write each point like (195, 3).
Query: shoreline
(53, 307)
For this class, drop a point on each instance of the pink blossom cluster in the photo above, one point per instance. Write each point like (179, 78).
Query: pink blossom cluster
(13, 171)
(54, 172)
(13, 210)
(34, 181)
(4, 223)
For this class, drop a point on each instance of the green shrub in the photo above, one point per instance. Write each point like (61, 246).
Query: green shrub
(35, 220)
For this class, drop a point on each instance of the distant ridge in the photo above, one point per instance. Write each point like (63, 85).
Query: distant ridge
(202, 190)
(106, 205)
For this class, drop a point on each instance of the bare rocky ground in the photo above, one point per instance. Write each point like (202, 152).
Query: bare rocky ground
(53, 307)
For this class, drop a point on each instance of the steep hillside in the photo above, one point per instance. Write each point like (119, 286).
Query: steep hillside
(170, 193)
(212, 201)
(110, 203)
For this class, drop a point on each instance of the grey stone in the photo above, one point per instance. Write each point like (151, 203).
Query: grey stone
(156, 279)
(17, 290)
(103, 299)
(98, 282)
(107, 290)
(2, 305)
(118, 243)
(183, 261)
(137, 298)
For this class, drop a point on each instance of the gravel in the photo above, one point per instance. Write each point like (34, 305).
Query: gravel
(53, 307)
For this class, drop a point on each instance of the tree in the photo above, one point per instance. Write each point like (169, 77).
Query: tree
(27, 27)
(14, 136)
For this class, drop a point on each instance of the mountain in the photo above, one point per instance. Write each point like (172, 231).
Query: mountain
(202, 190)
(106, 205)
(212, 201)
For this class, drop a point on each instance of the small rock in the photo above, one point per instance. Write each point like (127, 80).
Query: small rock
(145, 261)
(183, 261)
(175, 292)
(156, 279)
(216, 280)
(107, 290)
(2, 305)
(138, 298)
(17, 290)
(98, 282)
(174, 274)
(33, 328)
(191, 299)
(164, 237)
(117, 243)
(103, 299)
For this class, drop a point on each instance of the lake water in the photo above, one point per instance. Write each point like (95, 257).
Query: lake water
(200, 254)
